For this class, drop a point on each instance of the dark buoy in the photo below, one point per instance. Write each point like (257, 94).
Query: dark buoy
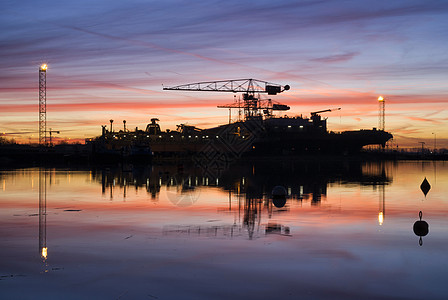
(425, 186)
(279, 196)
(421, 228)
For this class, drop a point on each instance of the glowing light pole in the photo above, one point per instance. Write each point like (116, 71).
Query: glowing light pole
(382, 113)
(43, 105)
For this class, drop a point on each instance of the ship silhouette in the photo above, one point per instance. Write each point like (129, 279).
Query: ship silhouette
(256, 130)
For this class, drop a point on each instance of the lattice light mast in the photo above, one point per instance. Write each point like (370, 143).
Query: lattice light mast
(382, 113)
(43, 105)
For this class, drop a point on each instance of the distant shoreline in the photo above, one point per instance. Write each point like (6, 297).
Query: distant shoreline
(79, 155)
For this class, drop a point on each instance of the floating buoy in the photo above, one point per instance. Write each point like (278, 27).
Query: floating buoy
(421, 228)
(425, 186)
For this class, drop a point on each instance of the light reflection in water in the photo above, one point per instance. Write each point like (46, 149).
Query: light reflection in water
(43, 213)
(249, 186)
(44, 253)
(380, 218)
(382, 205)
(123, 229)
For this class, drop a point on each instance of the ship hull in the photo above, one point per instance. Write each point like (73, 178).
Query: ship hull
(348, 142)
(274, 136)
(238, 139)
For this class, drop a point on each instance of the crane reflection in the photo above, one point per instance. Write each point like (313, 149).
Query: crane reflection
(257, 191)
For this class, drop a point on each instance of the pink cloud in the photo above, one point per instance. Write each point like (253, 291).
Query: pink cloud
(423, 120)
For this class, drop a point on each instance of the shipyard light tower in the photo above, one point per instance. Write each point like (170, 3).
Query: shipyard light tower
(43, 105)
(382, 113)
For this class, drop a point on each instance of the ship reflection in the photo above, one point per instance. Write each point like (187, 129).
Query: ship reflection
(254, 189)
(302, 181)
(274, 228)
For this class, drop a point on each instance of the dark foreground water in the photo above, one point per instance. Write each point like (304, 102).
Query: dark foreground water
(344, 231)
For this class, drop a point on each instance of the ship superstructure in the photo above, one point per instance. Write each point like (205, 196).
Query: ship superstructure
(256, 130)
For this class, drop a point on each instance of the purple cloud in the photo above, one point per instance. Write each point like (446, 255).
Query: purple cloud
(336, 58)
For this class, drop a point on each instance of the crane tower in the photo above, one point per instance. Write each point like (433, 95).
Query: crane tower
(251, 104)
(43, 105)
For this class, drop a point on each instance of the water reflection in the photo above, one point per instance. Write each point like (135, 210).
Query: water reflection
(298, 180)
(43, 250)
(279, 196)
(253, 188)
(382, 204)
(143, 229)
(275, 228)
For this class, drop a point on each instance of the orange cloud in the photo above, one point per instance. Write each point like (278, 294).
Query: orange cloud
(101, 106)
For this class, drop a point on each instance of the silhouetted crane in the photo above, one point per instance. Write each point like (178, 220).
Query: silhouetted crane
(325, 110)
(249, 87)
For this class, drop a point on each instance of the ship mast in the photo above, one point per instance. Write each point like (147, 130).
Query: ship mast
(251, 103)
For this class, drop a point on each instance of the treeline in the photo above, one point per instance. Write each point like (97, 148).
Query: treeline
(4, 141)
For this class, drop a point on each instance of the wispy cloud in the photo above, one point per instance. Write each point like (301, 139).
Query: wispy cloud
(336, 58)
(419, 119)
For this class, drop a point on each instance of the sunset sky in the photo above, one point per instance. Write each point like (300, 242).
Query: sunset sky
(110, 60)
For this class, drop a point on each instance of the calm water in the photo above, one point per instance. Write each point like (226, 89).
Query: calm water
(344, 231)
